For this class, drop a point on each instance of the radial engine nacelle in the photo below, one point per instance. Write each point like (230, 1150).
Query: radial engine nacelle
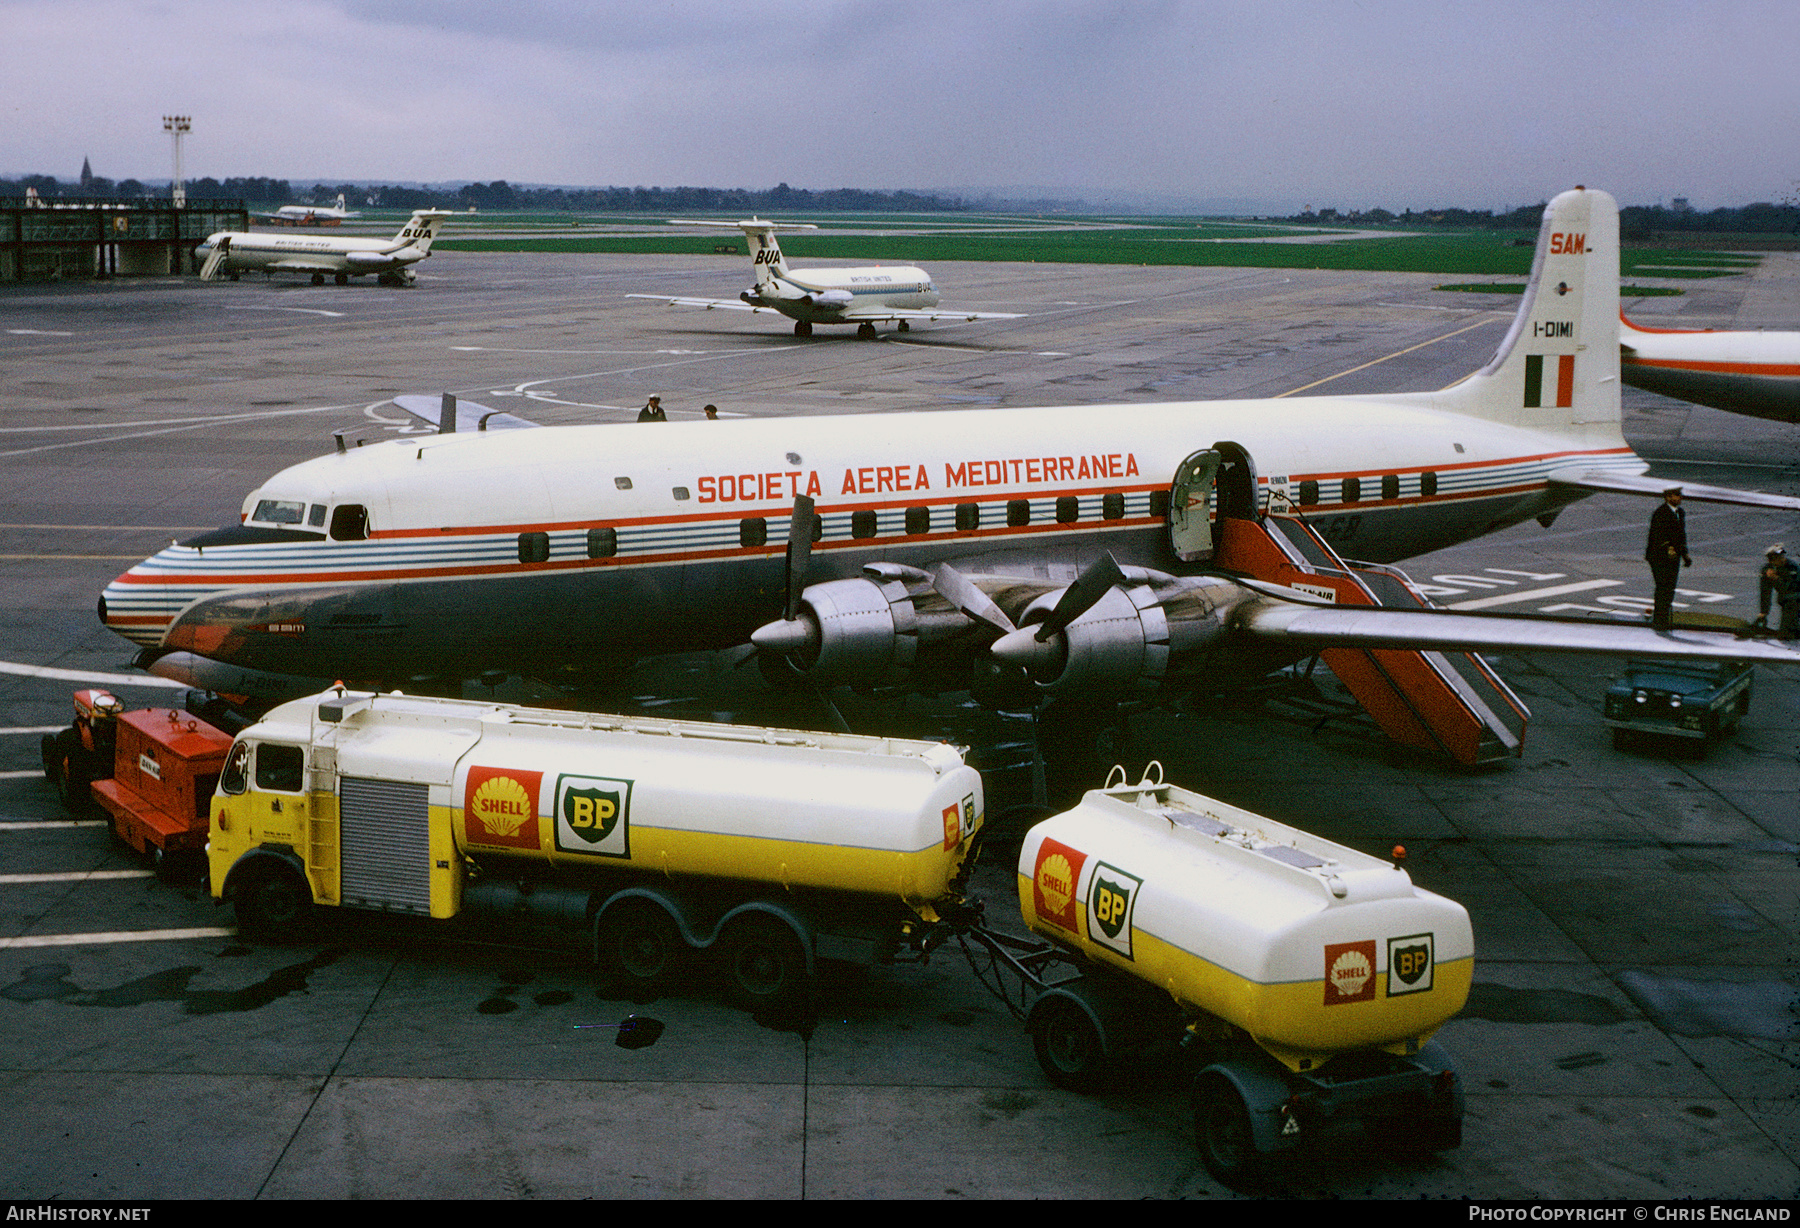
(887, 626)
(1142, 635)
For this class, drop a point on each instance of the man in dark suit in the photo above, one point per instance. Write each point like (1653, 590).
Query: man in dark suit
(1666, 551)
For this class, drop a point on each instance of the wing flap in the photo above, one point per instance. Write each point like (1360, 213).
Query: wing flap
(709, 304)
(1644, 484)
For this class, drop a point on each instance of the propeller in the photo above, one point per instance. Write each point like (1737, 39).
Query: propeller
(1041, 647)
(963, 593)
(215, 258)
(791, 634)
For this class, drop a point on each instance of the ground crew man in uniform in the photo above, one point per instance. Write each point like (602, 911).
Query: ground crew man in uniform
(652, 411)
(1666, 551)
(1780, 580)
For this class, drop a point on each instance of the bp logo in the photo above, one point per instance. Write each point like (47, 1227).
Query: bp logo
(1410, 964)
(593, 816)
(1112, 894)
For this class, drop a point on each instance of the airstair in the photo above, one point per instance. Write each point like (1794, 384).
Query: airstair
(1448, 703)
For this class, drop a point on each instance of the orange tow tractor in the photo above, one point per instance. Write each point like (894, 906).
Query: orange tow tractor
(152, 770)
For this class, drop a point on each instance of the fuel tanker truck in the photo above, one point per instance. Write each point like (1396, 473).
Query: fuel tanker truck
(1308, 976)
(772, 849)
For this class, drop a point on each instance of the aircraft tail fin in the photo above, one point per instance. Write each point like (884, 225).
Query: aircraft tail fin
(765, 250)
(1558, 366)
(421, 228)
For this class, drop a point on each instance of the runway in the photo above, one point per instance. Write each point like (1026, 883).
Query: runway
(1632, 1032)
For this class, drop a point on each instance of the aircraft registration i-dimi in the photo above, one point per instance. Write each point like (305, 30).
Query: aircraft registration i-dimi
(927, 549)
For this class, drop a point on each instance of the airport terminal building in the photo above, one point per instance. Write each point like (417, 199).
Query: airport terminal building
(89, 237)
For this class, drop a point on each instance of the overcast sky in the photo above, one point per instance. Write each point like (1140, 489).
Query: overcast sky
(1348, 103)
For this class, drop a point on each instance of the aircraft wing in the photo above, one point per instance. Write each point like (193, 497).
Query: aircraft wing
(1303, 624)
(710, 304)
(429, 410)
(292, 265)
(1644, 484)
(875, 315)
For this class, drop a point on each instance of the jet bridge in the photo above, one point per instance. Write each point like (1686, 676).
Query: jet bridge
(1448, 703)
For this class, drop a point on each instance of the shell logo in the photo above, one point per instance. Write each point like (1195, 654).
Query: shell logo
(1349, 972)
(1057, 881)
(502, 805)
(1055, 875)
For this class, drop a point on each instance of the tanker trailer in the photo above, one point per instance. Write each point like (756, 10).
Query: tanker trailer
(771, 849)
(1308, 976)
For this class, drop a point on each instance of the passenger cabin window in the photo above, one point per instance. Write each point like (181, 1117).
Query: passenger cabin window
(680, 493)
(862, 524)
(1159, 502)
(279, 768)
(1112, 506)
(1352, 488)
(236, 775)
(1309, 492)
(1018, 512)
(350, 523)
(279, 511)
(1390, 486)
(1068, 509)
(918, 520)
(622, 483)
(753, 531)
(602, 543)
(968, 516)
(534, 547)
(1428, 483)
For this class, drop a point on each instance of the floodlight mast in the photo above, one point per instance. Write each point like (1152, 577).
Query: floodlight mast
(178, 126)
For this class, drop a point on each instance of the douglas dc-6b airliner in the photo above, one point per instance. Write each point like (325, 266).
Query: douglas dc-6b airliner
(930, 549)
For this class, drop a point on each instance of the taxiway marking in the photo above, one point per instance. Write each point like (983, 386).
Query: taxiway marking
(75, 876)
(1385, 357)
(87, 675)
(1532, 594)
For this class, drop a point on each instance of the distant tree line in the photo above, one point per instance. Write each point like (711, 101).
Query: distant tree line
(1634, 220)
(500, 196)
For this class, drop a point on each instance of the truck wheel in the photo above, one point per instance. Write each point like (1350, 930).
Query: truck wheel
(273, 907)
(639, 942)
(1222, 1131)
(765, 965)
(1069, 1048)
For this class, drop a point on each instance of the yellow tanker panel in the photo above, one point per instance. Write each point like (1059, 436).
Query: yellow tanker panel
(1310, 947)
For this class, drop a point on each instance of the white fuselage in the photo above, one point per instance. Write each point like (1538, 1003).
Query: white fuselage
(828, 295)
(1754, 373)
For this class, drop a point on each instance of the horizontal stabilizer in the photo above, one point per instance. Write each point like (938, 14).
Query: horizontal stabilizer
(748, 225)
(429, 410)
(1644, 484)
(1320, 627)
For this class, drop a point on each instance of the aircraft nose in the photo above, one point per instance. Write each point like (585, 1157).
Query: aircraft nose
(137, 606)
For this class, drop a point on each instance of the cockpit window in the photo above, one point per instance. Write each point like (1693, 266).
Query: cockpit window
(316, 517)
(350, 523)
(280, 511)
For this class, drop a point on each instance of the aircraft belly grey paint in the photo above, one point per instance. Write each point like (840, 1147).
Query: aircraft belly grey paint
(915, 549)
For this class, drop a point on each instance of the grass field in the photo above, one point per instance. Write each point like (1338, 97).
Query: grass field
(935, 238)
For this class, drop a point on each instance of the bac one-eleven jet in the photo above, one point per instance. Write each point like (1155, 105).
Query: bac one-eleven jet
(390, 260)
(865, 297)
(1084, 552)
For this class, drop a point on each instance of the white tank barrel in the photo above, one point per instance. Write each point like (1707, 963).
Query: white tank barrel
(1310, 947)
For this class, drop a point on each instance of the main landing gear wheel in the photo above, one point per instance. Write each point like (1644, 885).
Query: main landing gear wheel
(1069, 1048)
(318, 279)
(802, 328)
(342, 279)
(866, 331)
(904, 327)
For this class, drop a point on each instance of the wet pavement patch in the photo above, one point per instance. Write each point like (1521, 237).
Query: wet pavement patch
(1504, 1004)
(1765, 1010)
(51, 981)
